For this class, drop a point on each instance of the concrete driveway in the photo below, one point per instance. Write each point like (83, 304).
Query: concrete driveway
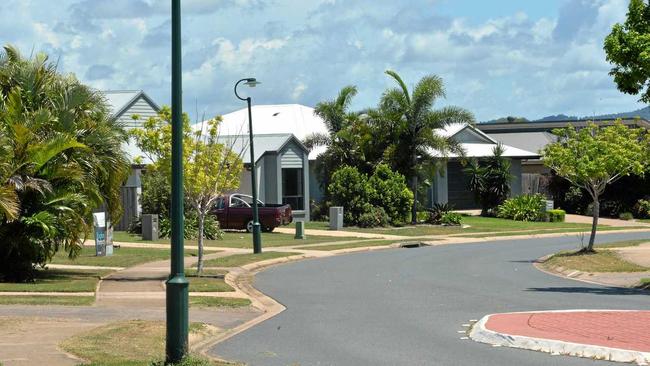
(407, 306)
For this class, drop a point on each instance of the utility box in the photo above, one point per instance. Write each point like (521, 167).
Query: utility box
(300, 230)
(99, 224)
(549, 205)
(150, 227)
(336, 218)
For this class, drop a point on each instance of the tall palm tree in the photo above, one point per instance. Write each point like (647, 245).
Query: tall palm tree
(61, 158)
(415, 126)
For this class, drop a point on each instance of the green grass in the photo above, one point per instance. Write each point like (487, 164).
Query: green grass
(476, 223)
(361, 244)
(538, 232)
(238, 260)
(47, 300)
(210, 301)
(238, 240)
(122, 257)
(58, 280)
(601, 261)
(129, 343)
(208, 283)
(624, 243)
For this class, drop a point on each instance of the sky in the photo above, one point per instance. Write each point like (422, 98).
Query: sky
(497, 58)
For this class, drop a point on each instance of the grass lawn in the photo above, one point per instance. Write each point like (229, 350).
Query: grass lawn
(122, 257)
(237, 240)
(211, 301)
(546, 231)
(207, 283)
(129, 343)
(366, 243)
(644, 283)
(624, 243)
(601, 261)
(47, 300)
(476, 223)
(58, 280)
(242, 259)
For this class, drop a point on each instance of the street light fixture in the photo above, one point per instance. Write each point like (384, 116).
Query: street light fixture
(257, 234)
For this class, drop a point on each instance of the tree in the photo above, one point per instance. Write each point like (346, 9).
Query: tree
(211, 166)
(594, 157)
(342, 137)
(628, 48)
(414, 126)
(60, 158)
(490, 181)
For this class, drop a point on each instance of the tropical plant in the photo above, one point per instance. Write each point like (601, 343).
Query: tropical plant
(211, 166)
(642, 208)
(451, 219)
(489, 180)
(627, 47)
(349, 188)
(556, 215)
(375, 217)
(435, 213)
(388, 190)
(527, 207)
(60, 158)
(413, 126)
(594, 157)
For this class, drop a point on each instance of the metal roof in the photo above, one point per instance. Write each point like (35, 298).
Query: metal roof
(120, 100)
(548, 126)
(264, 143)
(531, 141)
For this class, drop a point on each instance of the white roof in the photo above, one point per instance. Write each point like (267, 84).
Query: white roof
(532, 141)
(263, 143)
(295, 119)
(474, 150)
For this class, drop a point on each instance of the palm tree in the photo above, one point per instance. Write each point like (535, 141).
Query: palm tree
(61, 158)
(342, 138)
(415, 126)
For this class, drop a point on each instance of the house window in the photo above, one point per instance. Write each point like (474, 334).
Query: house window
(292, 188)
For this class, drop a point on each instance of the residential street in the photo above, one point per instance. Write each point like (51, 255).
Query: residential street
(407, 306)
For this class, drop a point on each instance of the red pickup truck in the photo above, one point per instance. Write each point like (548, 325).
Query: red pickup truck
(235, 212)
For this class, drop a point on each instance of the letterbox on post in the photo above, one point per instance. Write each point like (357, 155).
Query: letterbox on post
(150, 227)
(336, 218)
(99, 224)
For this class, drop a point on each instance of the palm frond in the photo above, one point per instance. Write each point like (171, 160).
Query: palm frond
(316, 139)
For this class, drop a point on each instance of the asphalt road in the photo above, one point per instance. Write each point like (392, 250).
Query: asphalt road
(406, 306)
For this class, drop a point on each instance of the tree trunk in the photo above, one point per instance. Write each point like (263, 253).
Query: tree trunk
(414, 209)
(199, 268)
(594, 225)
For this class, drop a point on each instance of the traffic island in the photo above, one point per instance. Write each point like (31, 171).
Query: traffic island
(613, 335)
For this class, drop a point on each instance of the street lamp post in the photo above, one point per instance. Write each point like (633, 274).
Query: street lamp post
(177, 285)
(257, 235)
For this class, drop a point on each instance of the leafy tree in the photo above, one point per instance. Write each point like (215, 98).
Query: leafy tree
(349, 188)
(60, 158)
(211, 166)
(628, 48)
(388, 189)
(594, 157)
(490, 181)
(413, 125)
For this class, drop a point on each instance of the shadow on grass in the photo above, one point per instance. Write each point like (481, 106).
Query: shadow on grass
(590, 290)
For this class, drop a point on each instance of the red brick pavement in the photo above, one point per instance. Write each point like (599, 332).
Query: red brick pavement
(627, 330)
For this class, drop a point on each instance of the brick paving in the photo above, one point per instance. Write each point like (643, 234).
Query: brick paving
(626, 330)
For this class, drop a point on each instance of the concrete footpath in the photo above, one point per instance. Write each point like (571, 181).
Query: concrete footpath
(613, 335)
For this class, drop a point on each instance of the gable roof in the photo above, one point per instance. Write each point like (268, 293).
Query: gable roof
(455, 129)
(264, 144)
(121, 100)
(548, 126)
(480, 150)
(295, 119)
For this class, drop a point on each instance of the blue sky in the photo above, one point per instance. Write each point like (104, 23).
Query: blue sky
(526, 58)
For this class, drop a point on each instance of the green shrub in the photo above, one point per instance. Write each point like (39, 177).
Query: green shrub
(642, 208)
(556, 215)
(211, 229)
(523, 208)
(374, 218)
(349, 188)
(436, 212)
(451, 219)
(388, 189)
(626, 216)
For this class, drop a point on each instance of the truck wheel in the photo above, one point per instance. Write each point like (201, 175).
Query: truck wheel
(268, 229)
(249, 226)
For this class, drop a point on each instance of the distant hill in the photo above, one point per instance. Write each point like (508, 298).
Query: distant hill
(642, 113)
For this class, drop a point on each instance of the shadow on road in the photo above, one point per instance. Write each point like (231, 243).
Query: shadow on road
(591, 290)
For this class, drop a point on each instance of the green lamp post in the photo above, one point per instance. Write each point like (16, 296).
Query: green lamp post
(257, 233)
(177, 285)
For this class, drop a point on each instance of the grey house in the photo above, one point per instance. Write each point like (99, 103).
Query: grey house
(282, 163)
(124, 104)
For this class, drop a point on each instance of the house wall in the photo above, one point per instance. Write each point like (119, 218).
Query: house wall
(515, 184)
(292, 156)
(142, 109)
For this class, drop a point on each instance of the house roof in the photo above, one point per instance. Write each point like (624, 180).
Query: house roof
(456, 128)
(295, 119)
(120, 100)
(264, 143)
(480, 149)
(531, 141)
(548, 126)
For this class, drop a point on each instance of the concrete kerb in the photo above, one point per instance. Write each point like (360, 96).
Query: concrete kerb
(480, 333)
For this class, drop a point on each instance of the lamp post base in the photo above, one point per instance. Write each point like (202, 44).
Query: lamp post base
(257, 238)
(177, 318)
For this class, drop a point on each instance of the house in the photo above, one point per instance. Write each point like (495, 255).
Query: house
(282, 171)
(451, 184)
(300, 121)
(535, 135)
(124, 104)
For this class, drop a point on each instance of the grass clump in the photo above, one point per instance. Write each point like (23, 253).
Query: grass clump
(599, 261)
(238, 260)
